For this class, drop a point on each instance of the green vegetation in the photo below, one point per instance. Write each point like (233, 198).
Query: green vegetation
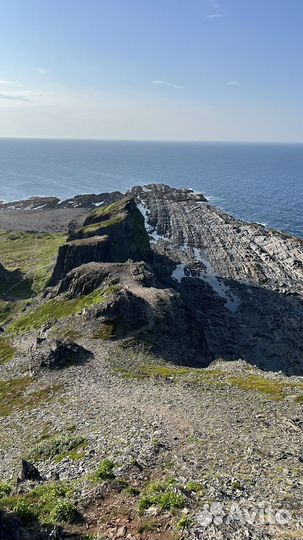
(106, 211)
(50, 503)
(65, 512)
(105, 470)
(132, 491)
(165, 501)
(57, 309)
(14, 395)
(57, 447)
(5, 489)
(25, 512)
(195, 487)
(166, 495)
(273, 389)
(7, 351)
(33, 253)
(9, 310)
(184, 523)
(168, 372)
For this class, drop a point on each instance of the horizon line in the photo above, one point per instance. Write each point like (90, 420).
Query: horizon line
(175, 141)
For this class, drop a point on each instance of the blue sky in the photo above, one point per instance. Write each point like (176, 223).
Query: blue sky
(151, 69)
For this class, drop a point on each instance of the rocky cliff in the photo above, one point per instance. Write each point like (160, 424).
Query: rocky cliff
(114, 233)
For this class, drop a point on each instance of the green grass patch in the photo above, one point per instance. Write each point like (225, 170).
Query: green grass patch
(65, 512)
(57, 447)
(7, 351)
(9, 310)
(5, 489)
(167, 372)
(14, 395)
(185, 523)
(34, 254)
(56, 310)
(50, 503)
(165, 494)
(273, 389)
(105, 470)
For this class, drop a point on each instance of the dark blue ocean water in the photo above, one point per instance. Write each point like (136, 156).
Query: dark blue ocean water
(256, 182)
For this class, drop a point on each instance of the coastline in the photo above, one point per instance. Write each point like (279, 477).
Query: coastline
(50, 214)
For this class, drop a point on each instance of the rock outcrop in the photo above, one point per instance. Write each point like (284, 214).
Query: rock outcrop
(9, 280)
(244, 281)
(57, 354)
(140, 306)
(48, 203)
(115, 233)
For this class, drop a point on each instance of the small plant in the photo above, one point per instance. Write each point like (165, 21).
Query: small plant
(65, 512)
(5, 489)
(171, 500)
(105, 470)
(132, 491)
(145, 502)
(184, 523)
(166, 495)
(195, 487)
(24, 511)
(57, 446)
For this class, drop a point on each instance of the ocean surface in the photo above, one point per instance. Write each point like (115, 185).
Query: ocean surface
(255, 182)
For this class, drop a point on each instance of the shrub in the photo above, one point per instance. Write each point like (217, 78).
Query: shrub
(105, 470)
(184, 523)
(24, 511)
(56, 446)
(5, 489)
(195, 487)
(65, 512)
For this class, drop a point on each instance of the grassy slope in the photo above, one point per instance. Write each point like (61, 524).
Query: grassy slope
(34, 255)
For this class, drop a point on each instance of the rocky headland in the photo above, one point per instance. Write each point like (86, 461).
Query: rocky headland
(151, 364)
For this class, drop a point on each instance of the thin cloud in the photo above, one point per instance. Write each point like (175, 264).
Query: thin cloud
(165, 83)
(40, 70)
(10, 83)
(216, 8)
(14, 97)
(214, 16)
(232, 83)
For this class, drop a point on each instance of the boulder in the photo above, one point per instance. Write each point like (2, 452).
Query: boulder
(29, 471)
(57, 354)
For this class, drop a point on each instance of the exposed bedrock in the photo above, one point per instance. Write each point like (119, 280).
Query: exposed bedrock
(236, 249)
(245, 282)
(57, 354)
(139, 306)
(115, 233)
(79, 201)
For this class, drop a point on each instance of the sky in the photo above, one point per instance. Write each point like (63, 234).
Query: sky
(202, 70)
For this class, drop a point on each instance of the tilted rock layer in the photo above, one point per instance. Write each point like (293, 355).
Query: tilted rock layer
(115, 233)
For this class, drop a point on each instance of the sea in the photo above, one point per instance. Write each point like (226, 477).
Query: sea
(254, 182)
